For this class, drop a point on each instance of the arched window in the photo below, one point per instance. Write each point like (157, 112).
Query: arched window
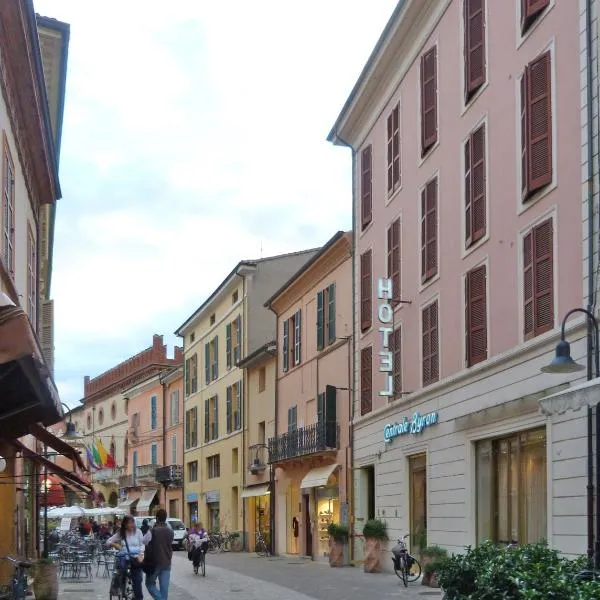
(113, 411)
(89, 421)
(101, 416)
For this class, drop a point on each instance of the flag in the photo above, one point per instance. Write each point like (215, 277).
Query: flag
(96, 455)
(102, 453)
(90, 458)
(111, 463)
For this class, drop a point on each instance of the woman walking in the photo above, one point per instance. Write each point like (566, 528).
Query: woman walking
(130, 543)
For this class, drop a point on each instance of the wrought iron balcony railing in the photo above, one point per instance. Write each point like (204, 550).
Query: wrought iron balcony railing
(170, 475)
(303, 441)
(258, 458)
(109, 475)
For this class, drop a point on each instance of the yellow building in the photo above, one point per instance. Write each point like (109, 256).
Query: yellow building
(231, 324)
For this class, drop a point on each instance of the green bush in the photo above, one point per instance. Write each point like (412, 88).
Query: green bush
(529, 572)
(376, 529)
(338, 532)
(436, 556)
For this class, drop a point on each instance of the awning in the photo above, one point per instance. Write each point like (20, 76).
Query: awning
(52, 468)
(255, 490)
(129, 501)
(146, 500)
(318, 477)
(59, 445)
(573, 398)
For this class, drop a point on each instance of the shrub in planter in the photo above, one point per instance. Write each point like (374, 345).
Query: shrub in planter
(431, 558)
(236, 541)
(45, 580)
(375, 534)
(338, 537)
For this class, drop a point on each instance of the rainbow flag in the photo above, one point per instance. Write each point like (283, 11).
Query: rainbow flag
(96, 455)
(90, 457)
(102, 453)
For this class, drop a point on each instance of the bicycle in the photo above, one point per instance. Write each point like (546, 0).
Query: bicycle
(262, 549)
(202, 565)
(121, 586)
(406, 566)
(17, 588)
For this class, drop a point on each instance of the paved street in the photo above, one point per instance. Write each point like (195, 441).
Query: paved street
(240, 575)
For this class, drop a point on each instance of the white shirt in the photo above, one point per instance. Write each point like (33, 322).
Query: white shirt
(135, 541)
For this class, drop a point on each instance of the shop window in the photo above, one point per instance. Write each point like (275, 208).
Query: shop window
(328, 511)
(511, 488)
(193, 512)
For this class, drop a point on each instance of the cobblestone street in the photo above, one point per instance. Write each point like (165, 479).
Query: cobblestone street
(241, 575)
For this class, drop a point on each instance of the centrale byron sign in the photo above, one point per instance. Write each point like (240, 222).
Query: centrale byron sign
(409, 426)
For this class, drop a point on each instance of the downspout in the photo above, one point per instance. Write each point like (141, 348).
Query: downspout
(591, 305)
(272, 498)
(245, 394)
(164, 433)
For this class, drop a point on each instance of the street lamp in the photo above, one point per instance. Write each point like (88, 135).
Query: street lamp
(564, 363)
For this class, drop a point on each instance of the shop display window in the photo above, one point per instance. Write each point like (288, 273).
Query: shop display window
(328, 511)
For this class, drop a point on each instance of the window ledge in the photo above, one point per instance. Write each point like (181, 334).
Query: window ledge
(525, 205)
(473, 99)
(429, 153)
(390, 197)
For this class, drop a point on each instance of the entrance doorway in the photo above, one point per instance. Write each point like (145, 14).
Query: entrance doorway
(417, 468)
(307, 525)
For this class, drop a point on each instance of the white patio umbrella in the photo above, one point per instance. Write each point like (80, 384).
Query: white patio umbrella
(60, 512)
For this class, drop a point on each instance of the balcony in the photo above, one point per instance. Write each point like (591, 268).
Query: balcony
(126, 481)
(320, 437)
(171, 475)
(109, 475)
(146, 473)
(258, 459)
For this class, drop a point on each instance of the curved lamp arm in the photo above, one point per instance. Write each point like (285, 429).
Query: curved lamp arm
(590, 318)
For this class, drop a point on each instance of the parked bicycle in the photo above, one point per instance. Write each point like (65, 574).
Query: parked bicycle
(406, 566)
(219, 542)
(17, 588)
(262, 548)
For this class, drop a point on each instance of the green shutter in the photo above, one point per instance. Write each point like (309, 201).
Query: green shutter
(331, 416)
(286, 344)
(238, 339)
(331, 314)
(216, 422)
(240, 399)
(187, 377)
(320, 408)
(320, 321)
(216, 373)
(228, 344)
(298, 337)
(206, 420)
(207, 363)
(228, 409)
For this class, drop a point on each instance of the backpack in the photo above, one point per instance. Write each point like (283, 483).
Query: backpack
(149, 563)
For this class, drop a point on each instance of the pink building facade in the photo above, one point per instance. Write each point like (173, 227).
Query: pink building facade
(466, 136)
(310, 451)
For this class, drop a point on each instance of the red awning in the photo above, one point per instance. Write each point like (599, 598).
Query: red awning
(59, 445)
(52, 492)
(71, 478)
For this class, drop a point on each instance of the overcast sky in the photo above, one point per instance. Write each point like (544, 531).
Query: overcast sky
(194, 135)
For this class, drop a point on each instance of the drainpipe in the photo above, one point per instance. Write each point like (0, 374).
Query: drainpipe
(245, 394)
(164, 432)
(591, 304)
(272, 495)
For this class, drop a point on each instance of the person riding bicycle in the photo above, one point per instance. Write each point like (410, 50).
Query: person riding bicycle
(198, 538)
(130, 545)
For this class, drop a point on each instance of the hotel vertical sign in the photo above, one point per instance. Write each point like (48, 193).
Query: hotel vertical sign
(385, 314)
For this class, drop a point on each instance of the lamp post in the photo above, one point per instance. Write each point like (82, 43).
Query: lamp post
(272, 499)
(564, 363)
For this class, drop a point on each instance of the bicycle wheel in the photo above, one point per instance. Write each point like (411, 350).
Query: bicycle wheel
(226, 544)
(414, 571)
(261, 549)
(404, 571)
(213, 545)
(203, 564)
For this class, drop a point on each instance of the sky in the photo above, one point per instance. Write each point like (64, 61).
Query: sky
(194, 137)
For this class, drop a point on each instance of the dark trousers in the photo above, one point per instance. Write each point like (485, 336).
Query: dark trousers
(136, 580)
(197, 553)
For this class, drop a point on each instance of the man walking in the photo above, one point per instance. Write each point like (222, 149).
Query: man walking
(161, 539)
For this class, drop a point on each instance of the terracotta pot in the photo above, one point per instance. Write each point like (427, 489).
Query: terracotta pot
(45, 582)
(336, 553)
(236, 544)
(372, 558)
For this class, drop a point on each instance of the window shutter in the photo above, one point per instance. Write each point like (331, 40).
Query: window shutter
(286, 344)
(396, 348)
(393, 257)
(194, 376)
(366, 286)
(331, 314)
(475, 68)
(298, 337)
(524, 137)
(207, 420)
(238, 339)
(428, 100)
(429, 230)
(430, 344)
(539, 123)
(228, 409)
(528, 296)
(195, 426)
(320, 321)
(207, 365)
(187, 377)
(228, 344)
(543, 277)
(530, 10)
(393, 149)
(215, 432)
(216, 359)
(320, 408)
(187, 429)
(366, 380)
(475, 186)
(476, 315)
(366, 196)
(238, 414)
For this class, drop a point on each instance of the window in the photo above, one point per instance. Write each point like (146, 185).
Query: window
(153, 412)
(234, 297)
(101, 416)
(213, 318)
(366, 187)
(135, 420)
(393, 258)
(191, 427)
(531, 10)
(475, 67)
(536, 126)
(154, 454)
(31, 278)
(211, 419)
(393, 150)
(366, 287)
(234, 342)
(538, 280)
(211, 360)
(292, 418)
(475, 186)
(191, 375)
(234, 460)
(326, 316)
(261, 432)
(292, 340)
(113, 449)
(174, 407)
(8, 211)
(192, 469)
(174, 449)
(262, 379)
(234, 407)
(89, 421)
(366, 380)
(476, 315)
(429, 134)
(431, 355)
(429, 226)
(396, 349)
(134, 460)
(113, 411)
(192, 337)
(511, 488)
(213, 466)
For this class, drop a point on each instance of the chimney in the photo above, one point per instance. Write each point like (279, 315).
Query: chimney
(178, 358)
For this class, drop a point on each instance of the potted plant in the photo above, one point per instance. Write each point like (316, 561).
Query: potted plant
(236, 541)
(431, 558)
(338, 538)
(375, 534)
(45, 580)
